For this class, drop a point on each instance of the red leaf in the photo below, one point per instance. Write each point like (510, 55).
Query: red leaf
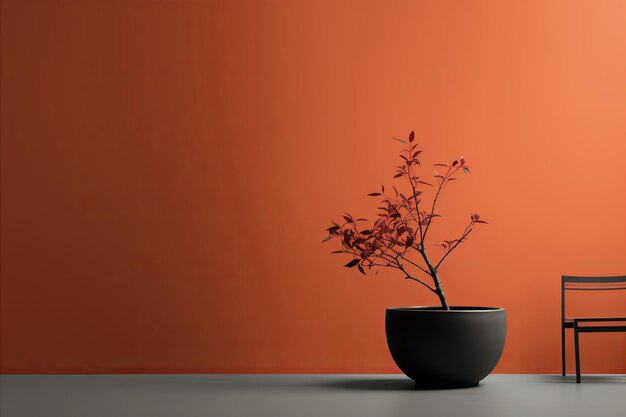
(361, 269)
(480, 221)
(398, 175)
(348, 218)
(411, 136)
(326, 239)
(400, 140)
(374, 194)
(352, 263)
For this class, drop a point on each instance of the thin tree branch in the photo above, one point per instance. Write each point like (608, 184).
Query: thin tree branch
(417, 206)
(467, 231)
(432, 211)
(408, 276)
(442, 183)
(421, 282)
(415, 264)
(381, 265)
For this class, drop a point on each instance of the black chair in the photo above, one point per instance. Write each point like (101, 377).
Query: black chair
(588, 324)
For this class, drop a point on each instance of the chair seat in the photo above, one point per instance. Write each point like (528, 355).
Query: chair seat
(595, 322)
(601, 324)
(601, 329)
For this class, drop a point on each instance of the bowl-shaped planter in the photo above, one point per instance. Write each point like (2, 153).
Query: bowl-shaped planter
(440, 348)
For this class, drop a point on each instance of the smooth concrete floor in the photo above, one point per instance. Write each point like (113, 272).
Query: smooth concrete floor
(306, 395)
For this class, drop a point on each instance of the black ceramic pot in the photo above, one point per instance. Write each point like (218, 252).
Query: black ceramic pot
(446, 349)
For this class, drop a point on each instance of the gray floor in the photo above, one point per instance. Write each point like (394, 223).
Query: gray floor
(306, 395)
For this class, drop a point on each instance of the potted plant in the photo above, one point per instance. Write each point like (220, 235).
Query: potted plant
(436, 346)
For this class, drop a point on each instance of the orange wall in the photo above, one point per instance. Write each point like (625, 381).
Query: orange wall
(168, 168)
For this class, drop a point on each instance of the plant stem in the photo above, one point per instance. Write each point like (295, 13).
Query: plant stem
(435, 276)
(440, 293)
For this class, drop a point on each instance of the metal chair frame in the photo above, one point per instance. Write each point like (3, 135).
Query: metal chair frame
(594, 324)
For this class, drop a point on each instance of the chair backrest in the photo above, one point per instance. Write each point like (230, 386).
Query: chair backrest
(569, 283)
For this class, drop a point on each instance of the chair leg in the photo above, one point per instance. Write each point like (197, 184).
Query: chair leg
(563, 370)
(577, 349)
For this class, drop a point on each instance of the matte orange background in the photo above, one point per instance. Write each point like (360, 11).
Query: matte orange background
(168, 169)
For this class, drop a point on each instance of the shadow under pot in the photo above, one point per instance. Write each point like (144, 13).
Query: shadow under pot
(439, 348)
